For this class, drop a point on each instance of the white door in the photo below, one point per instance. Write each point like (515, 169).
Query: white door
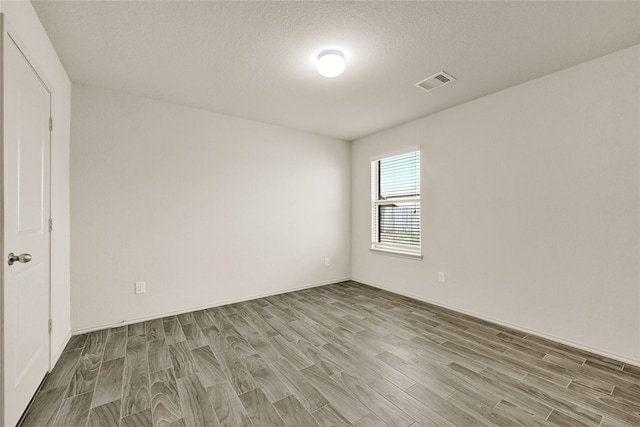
(26, 151)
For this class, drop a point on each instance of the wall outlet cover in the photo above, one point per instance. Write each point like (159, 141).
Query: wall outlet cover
(141, 287)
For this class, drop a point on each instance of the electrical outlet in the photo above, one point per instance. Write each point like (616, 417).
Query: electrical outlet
(141, 288)
(441, 277)
(327, 262)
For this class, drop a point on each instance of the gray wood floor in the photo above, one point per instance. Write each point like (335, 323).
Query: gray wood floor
(338, 355)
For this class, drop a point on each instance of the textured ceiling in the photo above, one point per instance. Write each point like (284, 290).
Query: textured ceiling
(256, 59)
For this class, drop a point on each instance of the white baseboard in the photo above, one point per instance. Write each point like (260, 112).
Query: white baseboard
(570, 343)
(190, 309)
(55, 356)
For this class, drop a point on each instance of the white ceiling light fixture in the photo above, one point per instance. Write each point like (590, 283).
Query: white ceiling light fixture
(331, 63)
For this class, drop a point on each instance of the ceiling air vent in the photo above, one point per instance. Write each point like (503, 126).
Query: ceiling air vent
(435, 81)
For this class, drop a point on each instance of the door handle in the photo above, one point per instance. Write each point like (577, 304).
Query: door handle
(24, 258)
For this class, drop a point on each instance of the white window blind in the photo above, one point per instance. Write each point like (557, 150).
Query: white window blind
(396, 203)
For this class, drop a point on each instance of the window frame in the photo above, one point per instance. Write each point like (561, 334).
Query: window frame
(411, 251)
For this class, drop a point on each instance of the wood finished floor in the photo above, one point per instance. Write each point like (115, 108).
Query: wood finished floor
(338, 355)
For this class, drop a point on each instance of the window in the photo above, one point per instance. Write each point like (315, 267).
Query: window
(395, 202)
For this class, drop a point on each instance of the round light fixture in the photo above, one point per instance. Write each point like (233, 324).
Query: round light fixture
(331, 63)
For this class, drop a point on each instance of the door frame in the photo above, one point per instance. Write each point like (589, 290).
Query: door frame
(7, 35)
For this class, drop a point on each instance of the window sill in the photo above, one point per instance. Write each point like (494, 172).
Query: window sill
(396, 252)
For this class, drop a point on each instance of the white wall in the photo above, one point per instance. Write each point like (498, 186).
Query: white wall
(23, 19)
(530, 207)
(205, 208)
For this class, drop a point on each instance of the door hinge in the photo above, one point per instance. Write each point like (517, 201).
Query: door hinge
(50, 225)
(50, 325)
(50, 124)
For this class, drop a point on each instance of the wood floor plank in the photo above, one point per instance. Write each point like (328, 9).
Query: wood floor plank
(293, 413)
(563, 420)
(202, 319)
(300, 386)
(74, 411)
(86, 374)
(604, 362)
(154, 329)
(340, 399)
(520, 416)
(331, 337)
(173, 330)
(238, 343)
(621, 392)
(165, 400)
(633, 370)
(135, 389)
(267, 380)
(135, 392)
(240, 324)
(226, 310)
(193, 335)
(289, 352)
(378, 405)
(136, 350)
(208, 367)
(44, 408)
(487, 414)
(109, 385)
(107, 415)
(328, 416)
(302, 329)
(604, 403)
(236, 372)
(115, 346)
(227, 406)
(196, 406)
(282, 329)
(412, 407)
(185, 318)
(497, 361)
(257, 323)
(215, 340)
(76, 341)
(553, 372)
(447, 410)
(547, 393)
(182, 359)
(158, 355)
(139, 419)
(345, 361)
(260, 411)
(440, 353)
(179, 423)
(381, 368)
(425, 348)
(610, 422)
(217, 316)
(64, 370)
(595, 384)
(263, 347)
(135, 329)
(492, 387)
(118, 329)
(421, 376)
(95, 342)
(464, 380)
(370, 421)
(320, 357)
